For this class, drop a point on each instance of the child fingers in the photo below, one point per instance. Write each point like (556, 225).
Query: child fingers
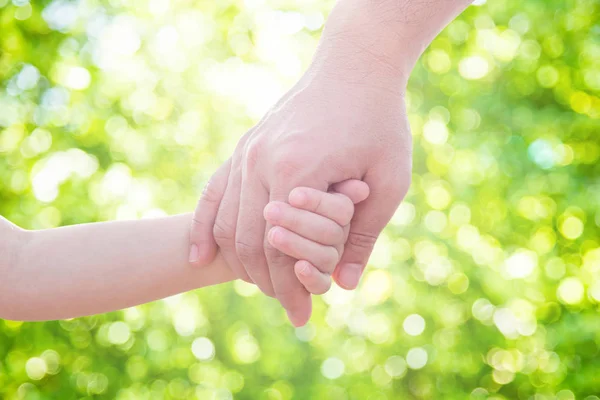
(296, 246)
(304, 223)
(334, 206)
(339, 247)
(314, 281)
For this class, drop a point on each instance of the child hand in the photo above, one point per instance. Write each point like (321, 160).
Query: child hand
(313, 228)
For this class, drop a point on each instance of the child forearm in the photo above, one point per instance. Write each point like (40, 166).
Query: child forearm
(94, 268)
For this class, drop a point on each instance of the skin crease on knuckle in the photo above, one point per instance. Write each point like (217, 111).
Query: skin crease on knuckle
(273, 255)
(223, 232)
(296, 160)
(210, 194)
(249, 255)
(253, 154)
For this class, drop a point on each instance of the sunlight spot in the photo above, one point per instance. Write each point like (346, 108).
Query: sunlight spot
(521, 264)
(119, 333)
(435, 132)
(36, 368)
(246, 348)
(203, 349)
(416, 358)
(332, 368)
(570, 291)
(395, 366)
(474, 67)
(306, 333)
(376, 287)
(483, 310)
(414, 325)
(571, 228)
(28, 78)
(76, 78)
(405, 214)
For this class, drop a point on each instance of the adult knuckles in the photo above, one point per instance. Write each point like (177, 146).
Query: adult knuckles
(223, 232)
(247, 253)
(211, 193)
(287, 167)
(273, 255)
(253, 154)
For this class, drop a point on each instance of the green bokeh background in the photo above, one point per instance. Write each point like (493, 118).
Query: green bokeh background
(123, 108)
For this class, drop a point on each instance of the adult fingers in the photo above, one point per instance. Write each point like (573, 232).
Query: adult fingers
(251, 226)
(224, 229)
(203, 247)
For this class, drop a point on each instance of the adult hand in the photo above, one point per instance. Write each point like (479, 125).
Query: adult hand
(344, 119)
(319, 134)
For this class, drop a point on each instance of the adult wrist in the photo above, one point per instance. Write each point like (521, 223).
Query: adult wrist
(381, 39)
(357, 46)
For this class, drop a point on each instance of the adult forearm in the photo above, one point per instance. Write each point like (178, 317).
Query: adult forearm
(382, 39)
(94, 268)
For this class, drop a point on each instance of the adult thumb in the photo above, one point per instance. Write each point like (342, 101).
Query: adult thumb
(370, 217)
(203, 247)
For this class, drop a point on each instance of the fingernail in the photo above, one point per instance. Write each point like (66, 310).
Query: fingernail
(299, 197)
(349, 275)
(272, 212)
(193, 254)
(304, 269)
(273, 235)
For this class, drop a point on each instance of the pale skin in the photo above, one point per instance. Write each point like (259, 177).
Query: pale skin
(344, 119)
(88, 269)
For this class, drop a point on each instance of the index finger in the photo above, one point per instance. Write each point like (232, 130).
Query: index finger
(203, 247)
(289, 291)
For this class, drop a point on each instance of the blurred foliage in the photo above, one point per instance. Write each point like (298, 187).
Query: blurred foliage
(485, 285)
